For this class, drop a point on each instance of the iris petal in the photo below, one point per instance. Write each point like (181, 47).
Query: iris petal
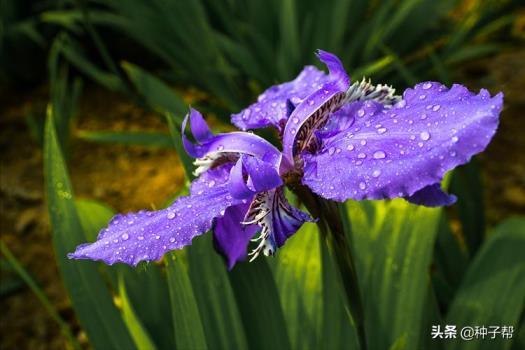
(313, 113)
(233, 142)
(147, 235)
(230, 237)
(399, 151)
(272, 107)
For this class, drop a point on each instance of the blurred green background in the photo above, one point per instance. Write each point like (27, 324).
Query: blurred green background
(114, 78)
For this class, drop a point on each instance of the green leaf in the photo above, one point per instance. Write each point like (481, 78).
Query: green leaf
(298, 277)
(89, 294)
(393, 243)
(158, 95)
(493, 290)
(137, 330)
(188, 326)
(151, 139)
(40, 294)
(176, 138)
(211, 286)
(259, 305)
(467, 184)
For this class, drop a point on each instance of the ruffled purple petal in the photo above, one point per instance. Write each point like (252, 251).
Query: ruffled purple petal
(399, 151)
(147, 235)
(230, 237)
(251, 175)
(432, 196)
(272, 106)
(313, 113)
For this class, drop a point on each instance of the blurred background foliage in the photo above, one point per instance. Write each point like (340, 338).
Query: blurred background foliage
(97, 89)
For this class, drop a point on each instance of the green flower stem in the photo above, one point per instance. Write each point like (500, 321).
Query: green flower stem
(331, 227)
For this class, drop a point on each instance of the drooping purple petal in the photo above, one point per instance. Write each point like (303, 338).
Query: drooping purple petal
(147, 235)
(399, 151)
(276, 217)
(313, 113)
(230, 237)
(271, 108)
(432, 196)
(227, 143)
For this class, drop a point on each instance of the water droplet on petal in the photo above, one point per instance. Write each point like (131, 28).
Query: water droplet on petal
(361, 155)
(427, 86)
(424, 116)
(124, 236)
(172, 240)
(140, 238)
(311, 102)
(379, 155)
(157, 237)
(455, 139)
(363, 142)
(376, 173)
(436, 108)
(171, 215)
(425, 136)
(295, 120)
(211, 183)
(401, 104)
(381, 130)
(350, 147)
(452, 154)
(220, 148)
(360, 112)
(331, 150)
(422, 97)
(362, 185)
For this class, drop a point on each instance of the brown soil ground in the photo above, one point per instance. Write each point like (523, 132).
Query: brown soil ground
(131, 177)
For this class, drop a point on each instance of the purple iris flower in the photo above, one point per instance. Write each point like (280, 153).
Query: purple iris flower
(342, 140)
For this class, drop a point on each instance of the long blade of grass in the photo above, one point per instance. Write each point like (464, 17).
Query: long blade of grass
(188, 326)
(493, 290)
(89, 295)
(151, 139)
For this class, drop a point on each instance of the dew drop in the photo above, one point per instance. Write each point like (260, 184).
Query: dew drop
(401, 104)
(140, 238)
(362, 185)
(436, 108)
(171, 215)
(455, 139)
(360, 112)
(379, 155)
(331, 150)
(422, 97)
(427, 86)
(172, 239)
(425, 136)
(220, 148)
(381, 130)
(424, 116)
(376, 173)
(361, 155)
(452, 153)
(211, 183)
(412, 137)
(295, 120)
(311, 102)
(363, 142)
(157, 237)
(124, 236)
(350, 147)
(294, 131)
